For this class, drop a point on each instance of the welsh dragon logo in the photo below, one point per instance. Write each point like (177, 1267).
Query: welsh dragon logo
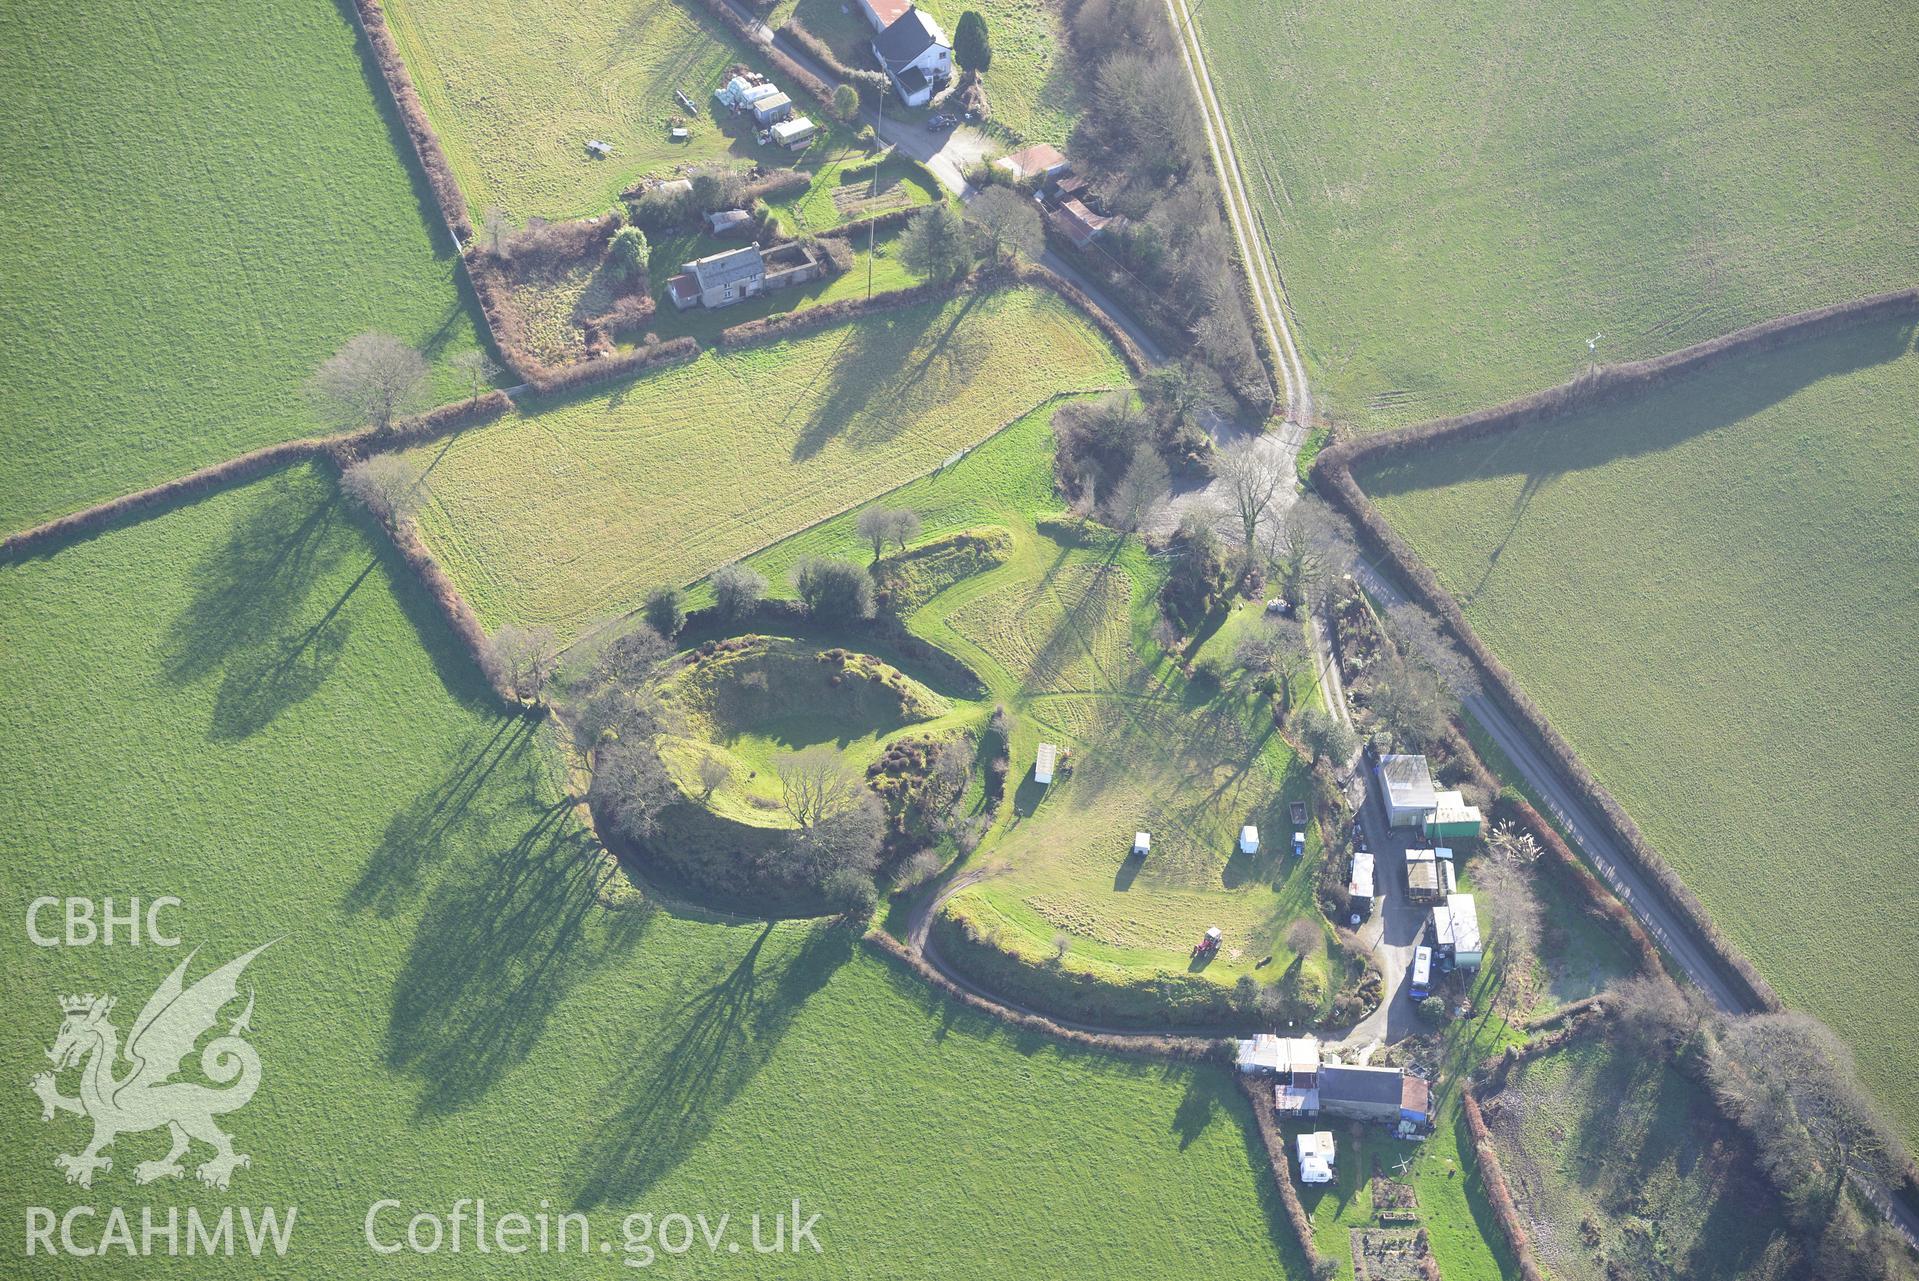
(146, 1097)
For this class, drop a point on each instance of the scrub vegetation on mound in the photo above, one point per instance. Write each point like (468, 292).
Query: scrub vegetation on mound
(1460, 199)
(202, 204)
(1705, 589)
(662, 480)
(269, 722)
(749, 703)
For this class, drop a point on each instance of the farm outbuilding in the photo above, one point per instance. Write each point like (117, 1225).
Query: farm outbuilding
(795, 132)
(1456, 927)
(1249, 839)
(1360, 885)
(772, 108)
(1408, 785)
(1452, 818)
(1040, 158)
(723, 222)
(1422, 876)
(1043, 762)
(1362, 1093)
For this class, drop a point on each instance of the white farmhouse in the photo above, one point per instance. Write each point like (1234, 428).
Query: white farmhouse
(916, 54)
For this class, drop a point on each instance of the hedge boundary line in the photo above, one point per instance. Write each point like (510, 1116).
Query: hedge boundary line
(793, 324)
(863, 81)
(1333, 470)
(585, 373)
(1033, 273)
(1178, 1048)
(1498, 1191)
(453, 607)
(88, 521)
(406, 100)
(1275, 1142)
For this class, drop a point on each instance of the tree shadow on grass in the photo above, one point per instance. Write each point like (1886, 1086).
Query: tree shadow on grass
(504, 940)
(875, 366)
(712, 1046)
(249, 616)
(1197, 1107)
(418, 836)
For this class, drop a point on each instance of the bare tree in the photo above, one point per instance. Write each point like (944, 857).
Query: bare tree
(369, 382)
(817, 785)
(1008, 222)
(478, 367)
(1794, 1084)
(1254, 479)
(1141, 488)
(1310, 546)
(522, 658)
(713, 775)
(1420, 634)
(1652, 1014)
(1407, 697)
(1276, 647)
(384, 484)
(882, 525)
(631, 786)
(1512, 917)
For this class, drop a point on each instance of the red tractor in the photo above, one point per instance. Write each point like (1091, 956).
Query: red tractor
(1208, 943)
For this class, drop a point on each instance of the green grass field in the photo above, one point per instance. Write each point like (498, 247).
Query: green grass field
(665, 479)
(1459, 200)
(1597, 1135)
(1028, 86)
(201, 205)
(516, 92)
(1707, 589)
(268, 721)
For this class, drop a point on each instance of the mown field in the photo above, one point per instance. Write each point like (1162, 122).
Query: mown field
(201, 205)
(1459, 199)
(267, 721)
(517, 91)
(1708, 590)
(573, 513)
(1029, 86)
(1621, 1166)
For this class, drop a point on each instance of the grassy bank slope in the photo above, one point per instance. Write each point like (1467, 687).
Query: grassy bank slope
(1459, 198)
(266, 722)
(1710, 592)
(202, 203)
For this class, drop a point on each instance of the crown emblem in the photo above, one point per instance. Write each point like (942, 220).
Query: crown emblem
(76, 1004)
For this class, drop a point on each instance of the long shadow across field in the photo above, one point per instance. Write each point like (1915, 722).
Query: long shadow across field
(687, 1074)
(1716, 398)
(502, 942)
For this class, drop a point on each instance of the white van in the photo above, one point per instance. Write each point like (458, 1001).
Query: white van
(1422, 973)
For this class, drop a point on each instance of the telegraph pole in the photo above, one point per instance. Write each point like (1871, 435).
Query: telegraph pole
(873, 194)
